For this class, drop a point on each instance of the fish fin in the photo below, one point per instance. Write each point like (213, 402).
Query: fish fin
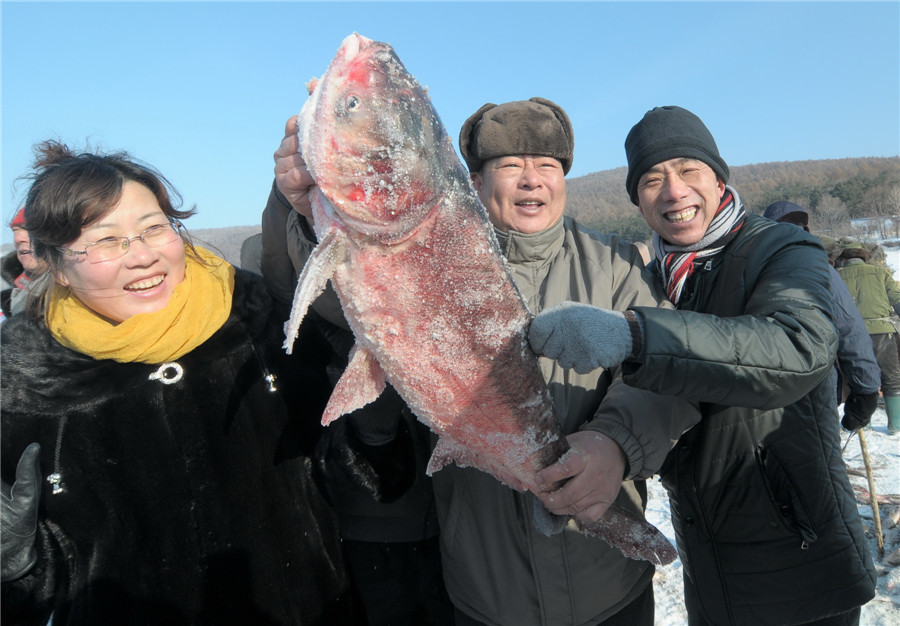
(318, 269)
(445, 452)
(361, 383)
(632, 535)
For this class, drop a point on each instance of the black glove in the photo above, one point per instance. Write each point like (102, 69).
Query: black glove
(896, 308)
(18, 516)
(858, 410)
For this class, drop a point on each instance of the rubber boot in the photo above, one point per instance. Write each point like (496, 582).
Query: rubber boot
(892, 407)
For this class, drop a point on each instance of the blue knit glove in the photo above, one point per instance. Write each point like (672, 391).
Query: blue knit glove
(583, 337)
(18, 516)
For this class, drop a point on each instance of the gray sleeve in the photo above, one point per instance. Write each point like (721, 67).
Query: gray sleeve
(646, 425)
(276, 261)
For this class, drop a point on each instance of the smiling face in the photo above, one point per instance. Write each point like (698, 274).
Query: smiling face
(679, 198)
(140, 281)
(522, 193)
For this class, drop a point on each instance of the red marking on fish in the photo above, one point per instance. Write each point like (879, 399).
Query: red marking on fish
(413, 258)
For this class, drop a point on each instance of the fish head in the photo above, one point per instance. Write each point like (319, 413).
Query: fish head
(373, 142)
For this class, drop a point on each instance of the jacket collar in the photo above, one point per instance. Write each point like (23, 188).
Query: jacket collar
(536, 247)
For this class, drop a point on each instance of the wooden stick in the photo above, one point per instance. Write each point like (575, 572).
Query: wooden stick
(879, 536)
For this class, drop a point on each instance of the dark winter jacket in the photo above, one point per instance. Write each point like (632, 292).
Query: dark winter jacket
(183, 503)
(766, 522)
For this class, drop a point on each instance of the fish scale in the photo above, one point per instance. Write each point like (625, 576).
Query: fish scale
(413, 258)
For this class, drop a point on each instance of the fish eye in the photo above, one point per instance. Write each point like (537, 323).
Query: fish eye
(352, 102)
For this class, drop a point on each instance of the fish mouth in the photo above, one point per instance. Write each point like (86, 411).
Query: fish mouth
(353, 43)
(145, 284)
(683, 215)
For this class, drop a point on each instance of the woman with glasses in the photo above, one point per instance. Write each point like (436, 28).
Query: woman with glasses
(155, 465)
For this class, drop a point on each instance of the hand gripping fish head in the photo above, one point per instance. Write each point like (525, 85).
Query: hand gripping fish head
(414, 260)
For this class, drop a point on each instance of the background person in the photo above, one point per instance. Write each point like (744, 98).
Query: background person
(877, 295)
(856, 365)
(498, 569)
(158, 457)
(18, 268)
(388, 529)
(766, 521)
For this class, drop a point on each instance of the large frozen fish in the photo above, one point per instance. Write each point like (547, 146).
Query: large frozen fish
(412, 256)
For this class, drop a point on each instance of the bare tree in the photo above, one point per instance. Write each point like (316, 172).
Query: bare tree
(831, 217)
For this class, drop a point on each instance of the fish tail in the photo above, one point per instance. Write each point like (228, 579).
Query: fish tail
(633, 536)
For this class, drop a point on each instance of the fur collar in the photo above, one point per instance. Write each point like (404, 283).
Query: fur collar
(39, 375)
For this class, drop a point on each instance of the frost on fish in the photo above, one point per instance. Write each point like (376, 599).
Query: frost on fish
(413, 258)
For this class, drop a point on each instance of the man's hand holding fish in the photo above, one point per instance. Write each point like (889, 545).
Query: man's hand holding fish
(291, 174)
(596, 465)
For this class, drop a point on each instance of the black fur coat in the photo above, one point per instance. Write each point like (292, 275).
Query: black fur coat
(183, 503)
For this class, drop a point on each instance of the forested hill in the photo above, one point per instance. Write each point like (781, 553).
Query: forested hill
(849, 188)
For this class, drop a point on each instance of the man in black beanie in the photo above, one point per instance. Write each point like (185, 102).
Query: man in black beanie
(760, 500)
(498, 569)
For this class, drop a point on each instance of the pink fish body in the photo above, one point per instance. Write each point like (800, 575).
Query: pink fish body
(413, 258)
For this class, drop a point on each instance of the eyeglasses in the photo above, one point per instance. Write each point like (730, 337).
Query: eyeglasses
(112, 248)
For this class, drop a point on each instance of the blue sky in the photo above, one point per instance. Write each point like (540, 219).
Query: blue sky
(201, 90)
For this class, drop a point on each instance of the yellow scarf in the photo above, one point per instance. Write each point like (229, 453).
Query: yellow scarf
(197, 309)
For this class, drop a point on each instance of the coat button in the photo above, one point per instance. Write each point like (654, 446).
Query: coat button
(688, 520)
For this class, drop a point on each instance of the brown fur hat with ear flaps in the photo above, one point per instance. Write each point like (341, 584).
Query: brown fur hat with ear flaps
(854, 251)
(535, 126)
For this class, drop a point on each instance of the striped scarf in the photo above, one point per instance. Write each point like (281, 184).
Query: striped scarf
(677, 263)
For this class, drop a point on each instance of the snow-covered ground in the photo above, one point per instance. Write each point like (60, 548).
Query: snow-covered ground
(884, 452)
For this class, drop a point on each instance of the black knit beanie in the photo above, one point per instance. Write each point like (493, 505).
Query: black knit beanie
(534, 126)
(665, 133)
(778, 210)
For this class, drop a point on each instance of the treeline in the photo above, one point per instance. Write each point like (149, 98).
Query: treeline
(834, 190)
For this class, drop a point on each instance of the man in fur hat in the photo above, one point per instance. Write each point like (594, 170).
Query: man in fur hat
(877, 295)
(498, 569)
(761, 503)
